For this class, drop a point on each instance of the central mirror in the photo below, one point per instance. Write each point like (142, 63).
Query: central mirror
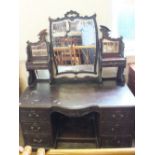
(74, 43)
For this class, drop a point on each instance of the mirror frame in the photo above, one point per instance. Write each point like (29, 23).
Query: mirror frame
(72, 15)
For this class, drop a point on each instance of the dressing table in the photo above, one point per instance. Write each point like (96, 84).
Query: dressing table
(74, 105)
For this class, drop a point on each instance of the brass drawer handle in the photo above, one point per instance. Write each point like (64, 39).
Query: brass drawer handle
(37, 141)
(36, 115)
(35, 128)
(121, 115)
(30, 115)
(117, 125)
(33, 114)
(113, 115)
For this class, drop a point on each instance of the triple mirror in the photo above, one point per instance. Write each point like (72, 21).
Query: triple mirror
(74, 43)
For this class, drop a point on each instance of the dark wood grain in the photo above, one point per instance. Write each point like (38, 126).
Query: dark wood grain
(77, 96)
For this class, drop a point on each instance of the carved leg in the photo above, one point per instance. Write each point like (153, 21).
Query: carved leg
(32, 78)
(120, 76)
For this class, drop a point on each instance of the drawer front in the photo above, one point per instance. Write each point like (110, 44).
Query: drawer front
(116, 141)
(36, 127)
(34, 115)
(38, 140)
(115, 129)
(116, 114)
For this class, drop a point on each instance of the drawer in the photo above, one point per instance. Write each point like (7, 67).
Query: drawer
(34, 115)
(116, 114)
(119, 141)
(36, 127)
(115, 129)
(38, 140)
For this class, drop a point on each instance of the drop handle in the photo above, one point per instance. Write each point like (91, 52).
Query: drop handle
(37, 140)
(36, 115)
(113, 115)
(35, 128)
(121, 115)
(30, 115)
(33, 114)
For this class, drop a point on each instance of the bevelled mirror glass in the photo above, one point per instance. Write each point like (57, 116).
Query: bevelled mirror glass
(74, 43)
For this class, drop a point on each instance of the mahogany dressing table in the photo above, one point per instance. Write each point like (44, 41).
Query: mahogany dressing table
(82, 109)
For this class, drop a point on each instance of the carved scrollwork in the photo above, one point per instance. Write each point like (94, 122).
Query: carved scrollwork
(104, 30)
(42, 35)
(72, 14)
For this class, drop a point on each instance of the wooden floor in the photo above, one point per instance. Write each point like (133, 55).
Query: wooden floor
(27, 150)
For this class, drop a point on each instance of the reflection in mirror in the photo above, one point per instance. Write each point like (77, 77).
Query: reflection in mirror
(74, 44)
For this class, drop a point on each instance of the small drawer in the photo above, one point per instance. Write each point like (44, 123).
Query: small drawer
(117, 114)
(39, 140)
(36, 127)
(34, 115)
(115, 129)
(119, 141)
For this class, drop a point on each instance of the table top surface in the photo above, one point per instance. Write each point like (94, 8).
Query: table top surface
(77, 95)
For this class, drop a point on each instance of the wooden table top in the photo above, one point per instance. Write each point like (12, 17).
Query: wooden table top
(77, 95)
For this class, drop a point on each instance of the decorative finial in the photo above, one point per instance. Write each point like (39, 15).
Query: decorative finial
(105, 31)
(42, 35)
